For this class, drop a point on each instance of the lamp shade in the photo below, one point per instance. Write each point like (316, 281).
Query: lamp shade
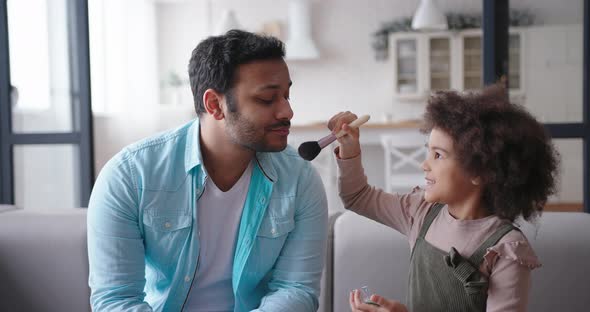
(429, 17)
(227, 22)
(300, 45)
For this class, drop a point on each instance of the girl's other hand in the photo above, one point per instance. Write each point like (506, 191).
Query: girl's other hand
(349, 143)
(385, 305)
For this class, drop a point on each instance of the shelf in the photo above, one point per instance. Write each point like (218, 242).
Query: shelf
(440, 67)
(472, 74)
(406, 76)
(472, 52)
(440, 75)
(439, 54)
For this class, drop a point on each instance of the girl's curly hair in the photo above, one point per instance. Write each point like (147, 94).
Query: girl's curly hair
(501, 143)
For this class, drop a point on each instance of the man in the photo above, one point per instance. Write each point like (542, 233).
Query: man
(217, 215)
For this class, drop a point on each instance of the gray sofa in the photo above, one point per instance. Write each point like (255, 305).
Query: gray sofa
(43, 262)
(368, 253)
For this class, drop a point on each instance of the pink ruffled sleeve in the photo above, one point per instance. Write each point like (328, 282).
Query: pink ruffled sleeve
(517, 251)
(509, 265)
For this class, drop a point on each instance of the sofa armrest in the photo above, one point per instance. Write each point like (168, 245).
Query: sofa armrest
(44, 261)
(327, 279)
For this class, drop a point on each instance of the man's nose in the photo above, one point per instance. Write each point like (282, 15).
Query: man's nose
(285, 111)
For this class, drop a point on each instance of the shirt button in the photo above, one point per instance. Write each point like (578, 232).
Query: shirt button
(261, 200)
(167, 225)
(187, 278)
(273, 231)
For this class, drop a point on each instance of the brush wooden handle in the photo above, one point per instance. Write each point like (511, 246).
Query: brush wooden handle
(355, 124)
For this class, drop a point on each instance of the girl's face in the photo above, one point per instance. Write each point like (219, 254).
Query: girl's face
(446, 180)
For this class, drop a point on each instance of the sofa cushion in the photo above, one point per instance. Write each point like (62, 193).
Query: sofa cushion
(367, 253)
(561, 240)
(43, 261)
(4, 208)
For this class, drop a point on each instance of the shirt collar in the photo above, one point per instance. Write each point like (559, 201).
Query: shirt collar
(194, 158)
(192, 153)
(265, 163)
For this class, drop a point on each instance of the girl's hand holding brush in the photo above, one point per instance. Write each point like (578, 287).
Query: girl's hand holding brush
(310, 149)
(349, 144)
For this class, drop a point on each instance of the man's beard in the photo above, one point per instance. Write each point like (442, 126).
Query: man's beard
(244, 132)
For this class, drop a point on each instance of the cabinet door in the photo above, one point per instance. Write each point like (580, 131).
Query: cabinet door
(472, 59)
(406, 65)
(439, 56)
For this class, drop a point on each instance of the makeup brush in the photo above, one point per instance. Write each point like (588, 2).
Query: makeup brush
(311, 149)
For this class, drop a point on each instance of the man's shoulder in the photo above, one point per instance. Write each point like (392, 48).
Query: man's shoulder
(162, 151)
(159, 142)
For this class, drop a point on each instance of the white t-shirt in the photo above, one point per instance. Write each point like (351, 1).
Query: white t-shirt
(218, 216)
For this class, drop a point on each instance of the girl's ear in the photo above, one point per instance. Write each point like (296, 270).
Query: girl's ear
(213, 104)
(476, 181)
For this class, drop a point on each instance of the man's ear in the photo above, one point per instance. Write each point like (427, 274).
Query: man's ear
(213, 103)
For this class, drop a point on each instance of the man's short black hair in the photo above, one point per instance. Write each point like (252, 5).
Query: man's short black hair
(214, 61)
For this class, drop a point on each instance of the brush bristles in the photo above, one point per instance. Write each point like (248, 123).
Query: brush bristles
(309, 150)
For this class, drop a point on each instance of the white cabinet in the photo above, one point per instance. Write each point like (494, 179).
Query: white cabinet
(447, 60)
(420, 60)
(406, 58)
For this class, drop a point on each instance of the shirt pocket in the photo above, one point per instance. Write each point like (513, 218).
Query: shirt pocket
(164, 237)
(274, 228)
(270, 240)
(279, 218)
(167, 223)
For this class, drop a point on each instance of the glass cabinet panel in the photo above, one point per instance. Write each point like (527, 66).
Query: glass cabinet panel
(440, 64)
(472, 58)
(407, 80)
(514, 61)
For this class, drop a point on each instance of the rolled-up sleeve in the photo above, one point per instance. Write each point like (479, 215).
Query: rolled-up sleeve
(295, 282)
(115, 245)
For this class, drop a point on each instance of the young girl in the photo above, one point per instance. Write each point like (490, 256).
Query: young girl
(489, 162)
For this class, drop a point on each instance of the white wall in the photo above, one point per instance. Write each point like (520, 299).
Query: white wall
(123, 55)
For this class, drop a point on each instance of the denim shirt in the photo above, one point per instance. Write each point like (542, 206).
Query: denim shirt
(143, 236)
